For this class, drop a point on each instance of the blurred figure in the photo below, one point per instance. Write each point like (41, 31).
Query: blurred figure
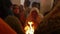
(4, 8)
(16, 10)
(27, 7)
(26, 4)
(55, 2)
(22, 15)
(35, 4)
(15, 24)
(35, 17)
(5, 28)
(11, 8)
(51, 22)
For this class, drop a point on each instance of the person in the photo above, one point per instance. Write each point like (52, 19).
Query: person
(27, 7)
(16, 10)
(51, 22)
(26, 4)
(34, 17)
(35, 4)
(22, 15)
(4, 8)
(5, 28)
(15, 24)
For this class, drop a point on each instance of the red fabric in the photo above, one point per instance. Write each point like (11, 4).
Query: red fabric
(5, 28)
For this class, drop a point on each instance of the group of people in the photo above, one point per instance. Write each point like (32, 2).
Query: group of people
(14, 18)
(18, 16)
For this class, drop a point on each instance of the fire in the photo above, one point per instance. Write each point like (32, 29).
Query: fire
(29, 29)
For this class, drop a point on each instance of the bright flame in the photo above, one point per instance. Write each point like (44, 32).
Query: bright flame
(29, 29)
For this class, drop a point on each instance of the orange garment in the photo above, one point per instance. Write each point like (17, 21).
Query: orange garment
(5, 28)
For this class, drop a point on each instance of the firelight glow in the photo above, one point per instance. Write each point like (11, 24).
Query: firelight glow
(29, 29)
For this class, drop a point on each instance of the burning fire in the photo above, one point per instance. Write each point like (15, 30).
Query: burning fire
(29, 29)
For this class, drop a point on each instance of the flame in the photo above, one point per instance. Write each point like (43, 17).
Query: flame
(29, 29)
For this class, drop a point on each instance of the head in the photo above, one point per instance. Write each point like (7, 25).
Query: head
(35, 4)
(16, 9)
(21, 8)
(34, 12)
(26, 3)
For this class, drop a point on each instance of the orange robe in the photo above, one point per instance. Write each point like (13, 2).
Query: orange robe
(5, 28)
